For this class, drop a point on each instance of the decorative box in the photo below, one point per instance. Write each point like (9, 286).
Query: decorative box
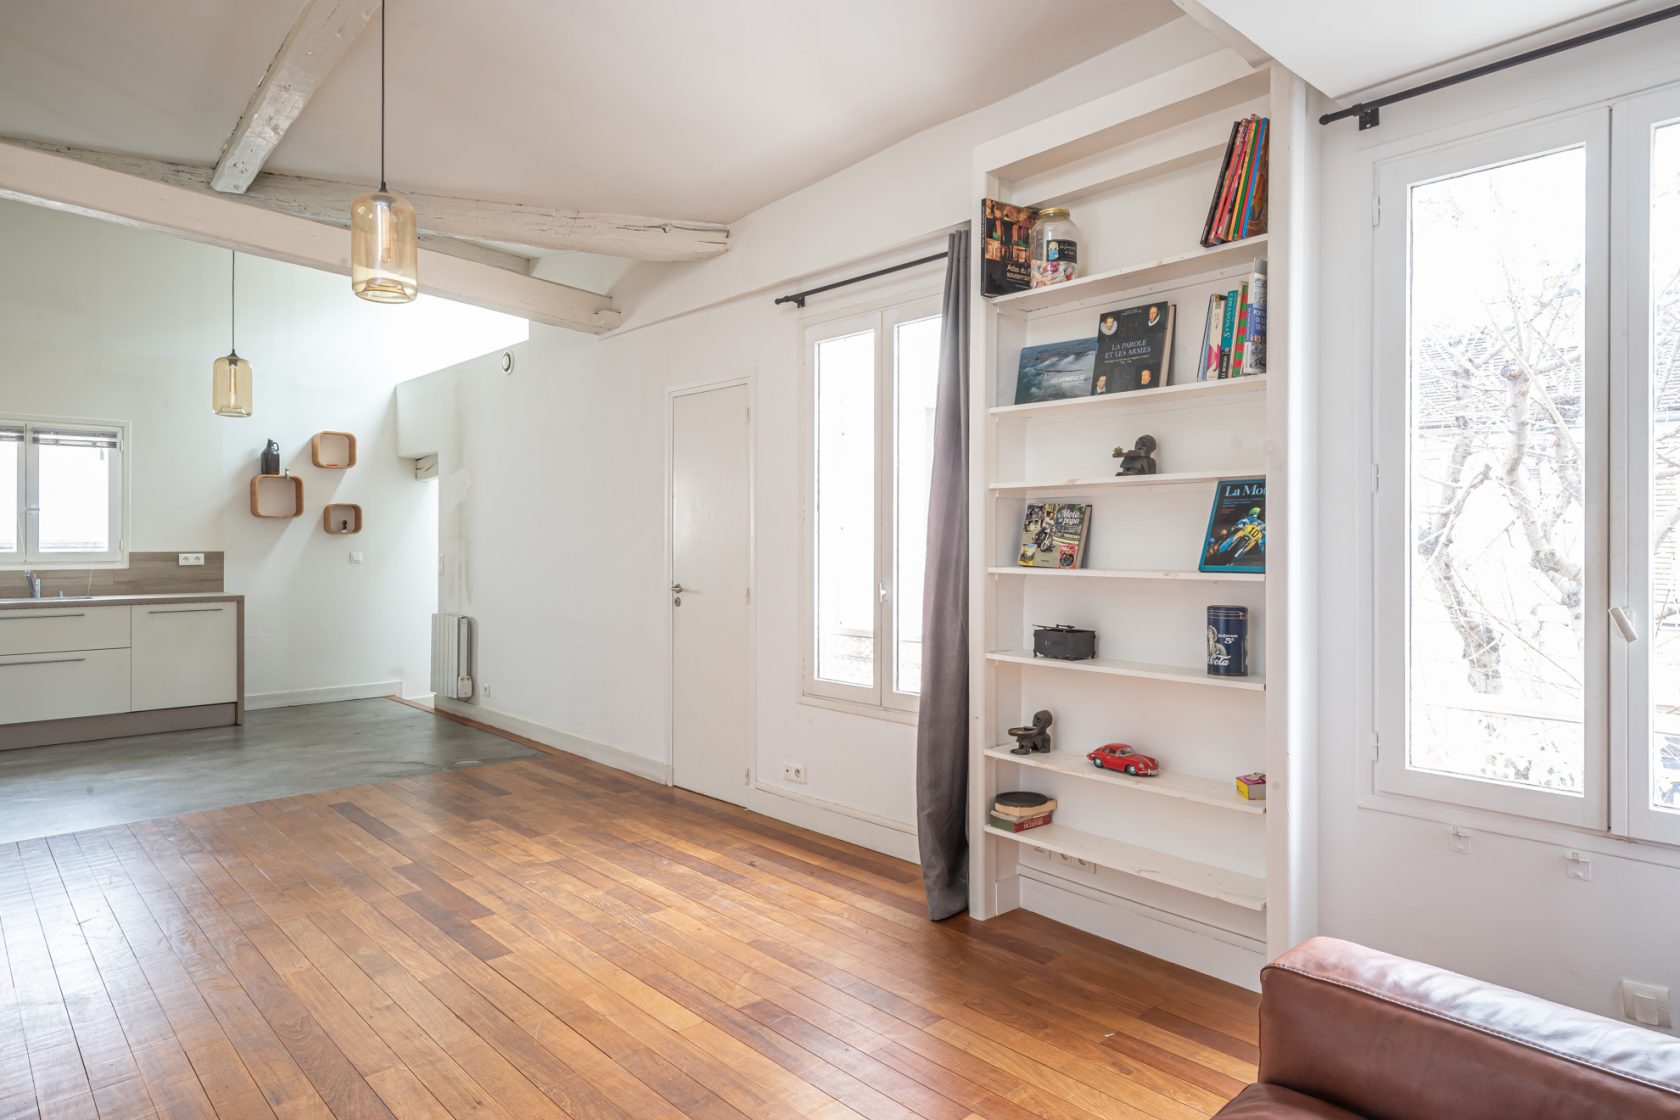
(1064, 643)
(1252, 787)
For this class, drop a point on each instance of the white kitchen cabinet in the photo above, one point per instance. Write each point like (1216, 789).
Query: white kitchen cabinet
(70, 626)
(61, 685)
(185, 654)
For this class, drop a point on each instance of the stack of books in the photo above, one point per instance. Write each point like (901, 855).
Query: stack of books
(1238, 209)
(1019, 810)
(1234, 333)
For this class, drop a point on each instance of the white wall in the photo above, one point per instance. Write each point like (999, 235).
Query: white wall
(101, 321)
(1505, 912)
(557, 484)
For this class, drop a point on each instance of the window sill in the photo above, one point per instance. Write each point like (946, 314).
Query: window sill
(855, 708)
(1595, 841)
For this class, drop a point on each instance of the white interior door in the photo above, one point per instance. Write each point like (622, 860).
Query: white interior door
(711, 550)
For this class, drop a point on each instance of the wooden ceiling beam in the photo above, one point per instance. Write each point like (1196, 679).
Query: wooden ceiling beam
(51, 178)
(317, 41)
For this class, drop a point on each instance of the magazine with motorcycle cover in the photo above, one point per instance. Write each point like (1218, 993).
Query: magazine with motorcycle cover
(1236, 534)
(1053, 535)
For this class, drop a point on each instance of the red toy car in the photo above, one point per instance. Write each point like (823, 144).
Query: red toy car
(1120, 756)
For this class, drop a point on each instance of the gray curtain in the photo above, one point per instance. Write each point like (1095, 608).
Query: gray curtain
(942, 728)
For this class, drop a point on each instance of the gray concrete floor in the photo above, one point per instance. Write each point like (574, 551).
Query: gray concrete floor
(45, 791)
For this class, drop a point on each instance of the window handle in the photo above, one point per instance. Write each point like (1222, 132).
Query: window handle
(882, 591)
(1624, 623)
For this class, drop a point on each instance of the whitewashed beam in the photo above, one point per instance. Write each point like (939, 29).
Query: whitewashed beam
(47, 178)
(512, 223)
(198, 178)
(322, 33)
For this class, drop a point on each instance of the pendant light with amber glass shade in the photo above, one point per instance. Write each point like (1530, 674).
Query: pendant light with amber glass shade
(383, 239)
(230, 377)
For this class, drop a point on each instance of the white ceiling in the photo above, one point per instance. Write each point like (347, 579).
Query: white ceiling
(1348, 46)
(702, 109)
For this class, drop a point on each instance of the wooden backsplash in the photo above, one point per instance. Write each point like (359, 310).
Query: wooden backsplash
(148, 573)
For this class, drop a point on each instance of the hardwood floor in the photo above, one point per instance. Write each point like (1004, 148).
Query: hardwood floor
(551, 938)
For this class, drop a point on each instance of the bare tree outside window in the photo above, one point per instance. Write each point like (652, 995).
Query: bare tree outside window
(1498, 463)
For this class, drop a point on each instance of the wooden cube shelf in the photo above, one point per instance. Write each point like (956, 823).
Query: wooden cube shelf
(333, 451)
(341, 519)
(276, 496)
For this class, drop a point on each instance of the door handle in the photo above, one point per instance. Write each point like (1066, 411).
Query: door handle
(1624, 623)
(677, 589)
(188, 610)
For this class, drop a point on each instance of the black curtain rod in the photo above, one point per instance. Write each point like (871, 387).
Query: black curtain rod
(798, 298)
(1368, 111)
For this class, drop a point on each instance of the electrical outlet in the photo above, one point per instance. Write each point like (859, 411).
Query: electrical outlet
(190, 560)
(487, 692)
(1646, 1004)
(355, 558)
(794, 772)
(1460, 840)
(1074, 863)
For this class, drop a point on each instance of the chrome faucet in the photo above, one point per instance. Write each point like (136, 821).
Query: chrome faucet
(34, 582)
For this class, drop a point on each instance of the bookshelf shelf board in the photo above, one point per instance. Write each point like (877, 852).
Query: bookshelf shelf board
(1143, 574)
(1176, 674)
(1115, 284)
(1168, 783)
(1119, 482)
(1204, 879)
(1177, 396)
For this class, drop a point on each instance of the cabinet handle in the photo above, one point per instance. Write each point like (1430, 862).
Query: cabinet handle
(43, 661)
(15, 616)
(188, 610)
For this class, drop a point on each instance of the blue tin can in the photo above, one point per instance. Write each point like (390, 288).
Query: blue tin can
(1227, 641)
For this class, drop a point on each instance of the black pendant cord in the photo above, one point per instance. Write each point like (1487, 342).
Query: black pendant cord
(233, 303)
(382, 97)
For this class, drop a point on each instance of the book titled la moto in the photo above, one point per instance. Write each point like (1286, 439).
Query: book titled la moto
(1133, 346)
(1236, 533)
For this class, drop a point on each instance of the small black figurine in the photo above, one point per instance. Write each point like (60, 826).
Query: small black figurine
(1034, 739)
(1140, 459)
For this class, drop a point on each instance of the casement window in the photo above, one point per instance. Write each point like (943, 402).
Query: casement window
(869, 382)
(62, 493)
(1527, 411)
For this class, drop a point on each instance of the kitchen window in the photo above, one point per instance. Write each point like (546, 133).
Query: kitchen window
(1527, 412)
(869, 385)
(63, 492)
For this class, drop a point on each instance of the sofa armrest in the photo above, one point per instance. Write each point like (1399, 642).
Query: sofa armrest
(1393, 1039)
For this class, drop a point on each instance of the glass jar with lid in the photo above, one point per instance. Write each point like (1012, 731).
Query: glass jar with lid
(1055, 248)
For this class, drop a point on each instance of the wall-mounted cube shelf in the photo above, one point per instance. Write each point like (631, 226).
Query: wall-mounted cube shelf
(276, 496)
(333, 451)
(341, 519)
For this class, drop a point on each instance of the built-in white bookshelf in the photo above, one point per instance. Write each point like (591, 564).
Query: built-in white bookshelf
(1178, 864)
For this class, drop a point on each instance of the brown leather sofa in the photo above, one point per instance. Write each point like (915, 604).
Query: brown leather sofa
(1347, 1033)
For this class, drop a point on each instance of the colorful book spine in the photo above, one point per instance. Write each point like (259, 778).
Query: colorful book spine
(1229, 193)
(1254, 178)
(1241, 340)
(1013, 824)
(1219, 184)
(1227, 332)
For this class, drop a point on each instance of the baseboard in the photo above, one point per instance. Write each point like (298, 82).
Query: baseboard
(330, 695)
(631, 763)
(1228, 956)
(830, 818)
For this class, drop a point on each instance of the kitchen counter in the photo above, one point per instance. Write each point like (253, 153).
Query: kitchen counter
(117, 600)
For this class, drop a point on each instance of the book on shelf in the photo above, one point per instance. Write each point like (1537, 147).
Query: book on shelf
(1055, 371)
(1228, 331)
(1018, 824)
(1238, 207)
(1236, 532)
(1207, 364)
(1254, 352)
(1006, 247)
(1053, 535)
(1134, 348)
(1239, 341)
(1041, 806)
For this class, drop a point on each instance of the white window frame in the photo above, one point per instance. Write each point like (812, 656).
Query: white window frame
(29, 555)
(1617, 800)
(1631, 811)
(881, 698)
(1393, 553)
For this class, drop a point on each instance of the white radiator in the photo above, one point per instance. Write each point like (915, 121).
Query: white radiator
(452, 656)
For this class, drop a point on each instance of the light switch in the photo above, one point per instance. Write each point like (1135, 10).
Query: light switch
(355, 558)
(1645, 1003)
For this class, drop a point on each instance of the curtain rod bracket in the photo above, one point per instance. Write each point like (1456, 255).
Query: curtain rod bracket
(1370, 116)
